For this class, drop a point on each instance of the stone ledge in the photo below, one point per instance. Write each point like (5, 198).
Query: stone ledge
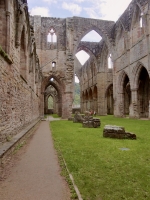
(5, 56)
(7, 148)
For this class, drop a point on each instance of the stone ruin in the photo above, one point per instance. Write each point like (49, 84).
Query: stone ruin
(78, 118)
(113, 131)
(87, 120)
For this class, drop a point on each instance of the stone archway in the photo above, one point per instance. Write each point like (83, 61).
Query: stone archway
(55, 83)
(140, 92)
(87, 25)
(124, 91)
(143, 93)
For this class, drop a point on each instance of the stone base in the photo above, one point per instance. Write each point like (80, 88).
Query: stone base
(113, 131)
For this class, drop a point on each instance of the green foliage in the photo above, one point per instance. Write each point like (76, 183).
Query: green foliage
(77, 94)
(5, 56)
(50, 103)
(100, 169)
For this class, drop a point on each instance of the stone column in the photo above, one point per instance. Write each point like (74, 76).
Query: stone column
(134, 111)
(121, 105)
(42, 105)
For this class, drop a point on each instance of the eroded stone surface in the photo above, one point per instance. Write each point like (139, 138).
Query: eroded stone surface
(113, 131)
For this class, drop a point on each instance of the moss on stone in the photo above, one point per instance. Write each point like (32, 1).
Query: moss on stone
(5, 55)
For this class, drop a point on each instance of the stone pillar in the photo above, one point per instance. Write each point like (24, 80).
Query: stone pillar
(67, 105)
(121, 105)
(42, 106)
(134, 111)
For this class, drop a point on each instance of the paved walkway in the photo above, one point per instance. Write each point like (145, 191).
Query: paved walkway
(36, 175)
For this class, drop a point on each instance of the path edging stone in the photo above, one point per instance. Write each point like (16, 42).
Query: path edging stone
(73, 183)
(8, 148)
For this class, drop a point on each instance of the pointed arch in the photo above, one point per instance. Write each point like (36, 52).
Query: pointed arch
(52, 35)
(136, 74)
(137, 13)
(121, 79)
(85, 30)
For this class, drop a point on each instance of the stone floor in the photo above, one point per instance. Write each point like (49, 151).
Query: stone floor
(35, 174)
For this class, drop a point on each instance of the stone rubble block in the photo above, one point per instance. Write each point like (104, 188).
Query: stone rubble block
(113, 131)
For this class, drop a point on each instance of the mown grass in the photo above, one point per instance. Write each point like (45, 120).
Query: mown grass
(100, 169)
(53, 115)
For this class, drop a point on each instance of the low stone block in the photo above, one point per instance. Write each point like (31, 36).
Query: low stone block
(113, 131)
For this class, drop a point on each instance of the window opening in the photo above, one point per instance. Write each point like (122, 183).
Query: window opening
(53, 64)
(110, 64)
(92, 36)
(141, 20)
(52, 37)
(82, 57)
(50, 102)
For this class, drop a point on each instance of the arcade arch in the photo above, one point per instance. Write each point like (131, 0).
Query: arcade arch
(53, 87)
(143, 93)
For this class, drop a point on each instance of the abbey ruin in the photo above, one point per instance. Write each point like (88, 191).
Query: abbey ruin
(33, 66)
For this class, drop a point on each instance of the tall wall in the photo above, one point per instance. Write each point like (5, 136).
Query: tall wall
(20, 82)
(58, 52)
(131, 55)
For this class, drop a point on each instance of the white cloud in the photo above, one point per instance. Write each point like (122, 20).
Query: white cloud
(79, 1)
(92, 13)
(72, 7)
(43, 11)
(106, 9)
(112, 10)
(50, 1)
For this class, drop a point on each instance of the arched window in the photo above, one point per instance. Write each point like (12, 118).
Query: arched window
(110, 64)
(141, 20)
(53, 64)
(52, 37)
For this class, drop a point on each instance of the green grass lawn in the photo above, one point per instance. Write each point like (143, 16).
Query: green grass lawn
(53, 115)
(100, 169)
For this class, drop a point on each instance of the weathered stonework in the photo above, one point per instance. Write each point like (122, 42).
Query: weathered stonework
(19, 92)
(30, 63)
(113, 131)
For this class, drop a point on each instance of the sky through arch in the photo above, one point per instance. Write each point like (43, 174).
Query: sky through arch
(92, 36)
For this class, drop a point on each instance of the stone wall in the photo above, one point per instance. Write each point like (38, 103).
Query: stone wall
(131, 58)
(20, 82)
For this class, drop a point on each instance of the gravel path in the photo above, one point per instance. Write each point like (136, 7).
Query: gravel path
(36, 173)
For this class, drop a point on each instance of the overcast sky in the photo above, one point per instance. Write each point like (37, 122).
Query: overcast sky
(98, 9)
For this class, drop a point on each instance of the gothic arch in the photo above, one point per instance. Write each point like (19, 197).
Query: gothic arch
(84, 48)
(92, 24)
(141, 85)
(136, 73)
(58, 89)
(136, 14)
(121, 79)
